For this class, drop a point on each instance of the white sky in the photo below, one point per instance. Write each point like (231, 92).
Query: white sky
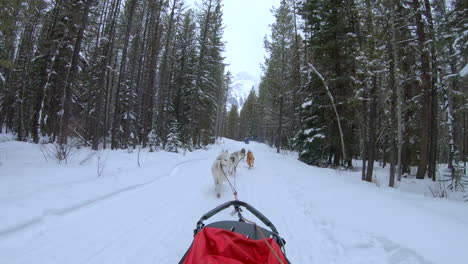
(246, 24)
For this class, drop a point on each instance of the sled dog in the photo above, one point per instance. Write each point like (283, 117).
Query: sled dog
(235, 158)
(219, 171)
(250, 159)
(223, 155)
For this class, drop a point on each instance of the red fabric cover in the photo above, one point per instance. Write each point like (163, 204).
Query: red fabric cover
(219, 246)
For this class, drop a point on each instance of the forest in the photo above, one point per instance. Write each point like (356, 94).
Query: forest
(112, 73)
(370, 80)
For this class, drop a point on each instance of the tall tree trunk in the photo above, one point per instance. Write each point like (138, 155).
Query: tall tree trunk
(464, 143)
(41, 90)
(393, 116)
(279, 134)
(433, 97)
(425, 91)
(163, 93)
(395, 101)
(397, 85)
(117, 104)
(150, 88)
(79, 20)
(372, 130)
(103, 83)
(364, 140)
(373, 98)
(140, 75)
(297, 73)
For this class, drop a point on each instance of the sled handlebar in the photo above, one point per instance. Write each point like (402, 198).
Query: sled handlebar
(236, 205)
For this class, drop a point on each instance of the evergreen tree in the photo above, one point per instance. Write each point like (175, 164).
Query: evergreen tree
(277, 88)
(209, 81)
(331, 27)
(309, 141)
(185, 55)
(249, 117)
(173, 143)
(233, 123)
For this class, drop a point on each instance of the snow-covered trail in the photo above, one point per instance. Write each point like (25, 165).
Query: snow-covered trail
(325, 217)
(143, 225)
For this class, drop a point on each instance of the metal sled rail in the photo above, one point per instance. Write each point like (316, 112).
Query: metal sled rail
(236, 205)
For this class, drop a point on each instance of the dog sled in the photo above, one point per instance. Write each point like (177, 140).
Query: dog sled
(235, 242)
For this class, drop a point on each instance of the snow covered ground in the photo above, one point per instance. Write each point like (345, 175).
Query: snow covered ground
(64, 213)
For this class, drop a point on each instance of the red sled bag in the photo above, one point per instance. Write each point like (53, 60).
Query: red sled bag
(235, 242)
(220, 246)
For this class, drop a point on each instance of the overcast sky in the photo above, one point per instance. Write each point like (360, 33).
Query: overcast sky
(246, 24)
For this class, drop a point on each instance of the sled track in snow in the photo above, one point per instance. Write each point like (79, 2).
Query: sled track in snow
(335, 243)
(59, 212)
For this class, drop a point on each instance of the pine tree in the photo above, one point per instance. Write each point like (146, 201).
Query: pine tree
(309, 142)
(173, 143)
(249, 117)
(222, 111)
(209, 82)
(166, 78)
(331, 31)
(233, 123)
(276, 85)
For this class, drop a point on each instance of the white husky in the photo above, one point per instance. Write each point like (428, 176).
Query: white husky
(219, 170)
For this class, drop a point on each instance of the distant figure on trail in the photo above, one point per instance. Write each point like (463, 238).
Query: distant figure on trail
(246, 140)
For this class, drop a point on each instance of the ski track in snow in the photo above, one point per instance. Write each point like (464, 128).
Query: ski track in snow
(153, 222)
(54, 213)
(111, 241)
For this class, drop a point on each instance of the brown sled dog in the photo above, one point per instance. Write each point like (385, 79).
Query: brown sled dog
(250, 159)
